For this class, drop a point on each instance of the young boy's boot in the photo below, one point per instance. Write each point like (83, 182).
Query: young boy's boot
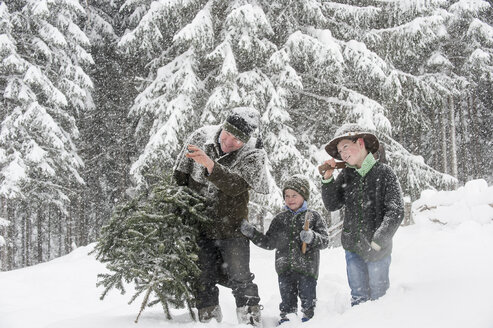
(283, 318)
(250, 315)
(209, 312)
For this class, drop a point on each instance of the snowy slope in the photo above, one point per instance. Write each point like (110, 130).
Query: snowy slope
(441, 276)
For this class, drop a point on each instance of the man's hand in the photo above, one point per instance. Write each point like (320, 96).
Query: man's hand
(199, 156)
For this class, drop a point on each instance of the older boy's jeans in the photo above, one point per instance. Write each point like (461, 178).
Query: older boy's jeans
(293, 284)
(367, 280)
(225, 261)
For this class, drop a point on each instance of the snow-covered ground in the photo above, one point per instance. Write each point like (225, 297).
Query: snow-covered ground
(441, 276)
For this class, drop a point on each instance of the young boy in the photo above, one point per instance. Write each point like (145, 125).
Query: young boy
(373, 209)
(297, 271)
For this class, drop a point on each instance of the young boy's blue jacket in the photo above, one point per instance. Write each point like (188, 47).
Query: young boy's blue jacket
(283, 235)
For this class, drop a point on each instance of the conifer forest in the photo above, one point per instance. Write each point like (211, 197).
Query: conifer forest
(99, 96)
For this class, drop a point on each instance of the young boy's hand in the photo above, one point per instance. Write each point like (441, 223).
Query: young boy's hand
(307, 236)
(247, 228)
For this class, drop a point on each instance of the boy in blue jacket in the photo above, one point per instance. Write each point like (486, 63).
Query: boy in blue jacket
(297, 271)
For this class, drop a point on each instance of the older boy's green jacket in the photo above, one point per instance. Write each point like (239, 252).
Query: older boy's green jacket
(283, 235)
(373, 208)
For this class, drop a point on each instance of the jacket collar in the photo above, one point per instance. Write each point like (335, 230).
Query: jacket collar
(367, 165)
(303, 208)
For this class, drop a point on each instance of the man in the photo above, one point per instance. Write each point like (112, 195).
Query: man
(373, 209)
(223, 163)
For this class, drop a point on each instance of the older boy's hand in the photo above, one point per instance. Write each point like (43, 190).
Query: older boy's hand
(247, 228)
(307, 236)
(328, 173)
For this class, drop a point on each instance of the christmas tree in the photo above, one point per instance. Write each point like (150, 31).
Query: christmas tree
(151, 241)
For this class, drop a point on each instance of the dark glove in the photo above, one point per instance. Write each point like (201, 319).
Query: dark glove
(307, 236)
(247, 228)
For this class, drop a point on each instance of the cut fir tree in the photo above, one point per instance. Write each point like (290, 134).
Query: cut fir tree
(151, 241)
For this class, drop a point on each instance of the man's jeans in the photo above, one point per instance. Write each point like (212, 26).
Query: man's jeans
(292, 285)
(225, 261)
(367, 280)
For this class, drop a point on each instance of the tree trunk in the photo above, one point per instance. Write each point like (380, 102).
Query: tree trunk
(60, 233)
(473, 136)
(12, 237)
(48, 233)
(39, 235)
(444, 137)
(453, 145)
(3, 234)
(26, 237)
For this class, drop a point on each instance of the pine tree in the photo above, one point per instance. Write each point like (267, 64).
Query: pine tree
(106, 144)
(44, 89)
(151, 241)
(308, 66)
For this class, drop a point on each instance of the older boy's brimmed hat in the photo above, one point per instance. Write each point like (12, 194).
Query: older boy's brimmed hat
(351, 131)
(241, 122)
(298, 183)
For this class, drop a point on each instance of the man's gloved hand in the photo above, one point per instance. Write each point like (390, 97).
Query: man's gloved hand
(307, 236)
(247, 228)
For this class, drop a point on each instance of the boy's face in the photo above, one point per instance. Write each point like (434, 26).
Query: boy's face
(293, 199)
(352, 152)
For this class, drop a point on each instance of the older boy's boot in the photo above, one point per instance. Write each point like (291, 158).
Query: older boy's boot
(209, 312)
(250, 315)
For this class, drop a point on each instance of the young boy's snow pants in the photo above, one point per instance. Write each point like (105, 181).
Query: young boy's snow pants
(294, 284)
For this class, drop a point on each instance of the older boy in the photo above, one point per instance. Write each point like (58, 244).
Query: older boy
(373, 209)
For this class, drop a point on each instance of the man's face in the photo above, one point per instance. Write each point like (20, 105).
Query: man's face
(352, 152)
(229, 142)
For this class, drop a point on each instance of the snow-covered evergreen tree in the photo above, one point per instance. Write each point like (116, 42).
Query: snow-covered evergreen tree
(280, 57)
(407, 69)
(422, 46)
(44, 89)
(106, 144)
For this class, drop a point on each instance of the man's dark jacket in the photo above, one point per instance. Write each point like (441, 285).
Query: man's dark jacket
(227, 187)
(373, 209)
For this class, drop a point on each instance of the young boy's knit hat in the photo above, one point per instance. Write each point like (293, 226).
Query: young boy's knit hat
(351, 131)
(241, 122)
(299, 184)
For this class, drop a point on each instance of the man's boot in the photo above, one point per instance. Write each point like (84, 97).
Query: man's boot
(209, 312)
(250, 315)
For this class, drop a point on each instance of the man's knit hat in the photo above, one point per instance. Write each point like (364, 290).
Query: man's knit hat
(298, 183)
(241, 122)
(351, 131)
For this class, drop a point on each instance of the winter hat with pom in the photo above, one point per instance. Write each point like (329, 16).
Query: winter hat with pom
(351, 131)
(299, 184)
(241, 122)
